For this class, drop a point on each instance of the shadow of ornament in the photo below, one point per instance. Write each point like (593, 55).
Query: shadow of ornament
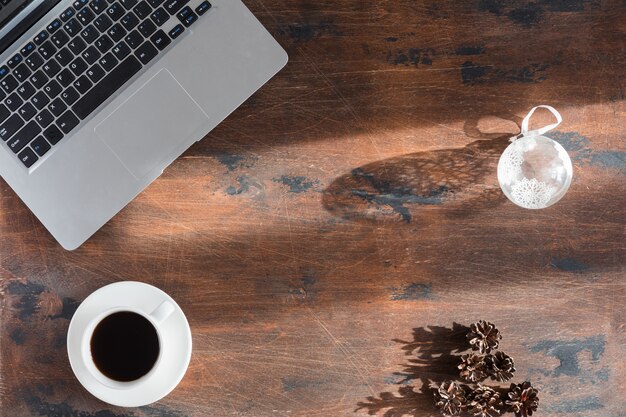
(452, 182)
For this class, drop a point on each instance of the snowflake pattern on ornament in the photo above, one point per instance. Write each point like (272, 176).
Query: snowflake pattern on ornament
(511, 164)
(531, 193)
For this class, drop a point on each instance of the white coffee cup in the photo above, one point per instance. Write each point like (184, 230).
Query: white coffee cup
(170, 325)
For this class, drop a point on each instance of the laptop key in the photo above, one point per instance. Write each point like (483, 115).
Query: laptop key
(54, 26)
(106, 87)
(67, 14)
(27, 49)
(98, 6)
(134, 39)
(108, 61)
(22, 72)
(190, 19)
(160, 40)
(27, 111)
(69, 96)
(90, 34)
(57, 107)
(121, 51)
(10, 126)
(40, 100)
(176, 31)
(51, 68)
(128, 4)
(155, 3)
(41, 37)
(116, 32)
(13, 102)
(9, 83)
(103, 22)
(64, 56)
(115, 11)
(4, 70)
(44, 118)
(34, 61)
(47, 49)
(38, 79)
(85, 16)
(14, 61)
(40, 145)
(52, 89)
(28, 157)
(26, 90)
(82, 84)
(173, 6)
(184, 12)
(203, 8)
(60, 38)
(72, 27)
(95, 73)
(79, 4)
(17, 143)
(129, 21)
(65, 77)
(147, 28)
(4, 113)
(77, 45)
(160, 16)
(146, 52)
(142, 10)
(67, 122)
(104, 43)
(91, 55)
(78, 66)
(53, 134)
(24, 136)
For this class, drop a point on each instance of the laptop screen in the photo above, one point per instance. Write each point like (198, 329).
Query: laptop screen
(12, 29)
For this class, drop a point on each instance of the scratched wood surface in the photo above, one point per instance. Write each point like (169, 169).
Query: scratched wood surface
(329, 240)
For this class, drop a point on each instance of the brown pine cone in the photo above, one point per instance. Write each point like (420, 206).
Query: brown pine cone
(523, 399)
(450, 398)
(484, 402)
(500, 366)
(473, 367)
(484, 336)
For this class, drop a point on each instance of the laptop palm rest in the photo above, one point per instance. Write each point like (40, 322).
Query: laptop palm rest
(145, 132)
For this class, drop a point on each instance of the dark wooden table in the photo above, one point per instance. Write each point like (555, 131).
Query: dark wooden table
(325, 239)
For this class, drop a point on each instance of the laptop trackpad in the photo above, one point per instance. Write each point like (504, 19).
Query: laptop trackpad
(153, 125)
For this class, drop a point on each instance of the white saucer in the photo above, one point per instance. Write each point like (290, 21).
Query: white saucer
(176, 350)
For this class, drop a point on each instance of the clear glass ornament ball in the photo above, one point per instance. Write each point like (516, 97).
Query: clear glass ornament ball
(535, 172)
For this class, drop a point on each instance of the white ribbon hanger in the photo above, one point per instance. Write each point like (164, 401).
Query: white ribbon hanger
(540, 131)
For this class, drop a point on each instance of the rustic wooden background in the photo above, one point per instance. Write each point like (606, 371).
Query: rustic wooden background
(330, 238)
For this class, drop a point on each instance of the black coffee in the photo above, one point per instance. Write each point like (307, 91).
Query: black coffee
(124, 346)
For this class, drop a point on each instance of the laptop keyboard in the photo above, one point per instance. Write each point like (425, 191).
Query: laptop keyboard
(77, 62)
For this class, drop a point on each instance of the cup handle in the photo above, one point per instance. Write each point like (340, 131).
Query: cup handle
(162, 312)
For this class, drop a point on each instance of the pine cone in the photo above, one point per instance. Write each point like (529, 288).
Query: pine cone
(484, 336)
(523, 399)
(450, 398)
(484, 402)
(473, 367)
(500, 366)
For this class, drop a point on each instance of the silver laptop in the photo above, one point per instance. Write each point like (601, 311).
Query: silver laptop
(98, 97)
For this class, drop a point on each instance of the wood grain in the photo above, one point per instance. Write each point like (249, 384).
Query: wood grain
(328, 239)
